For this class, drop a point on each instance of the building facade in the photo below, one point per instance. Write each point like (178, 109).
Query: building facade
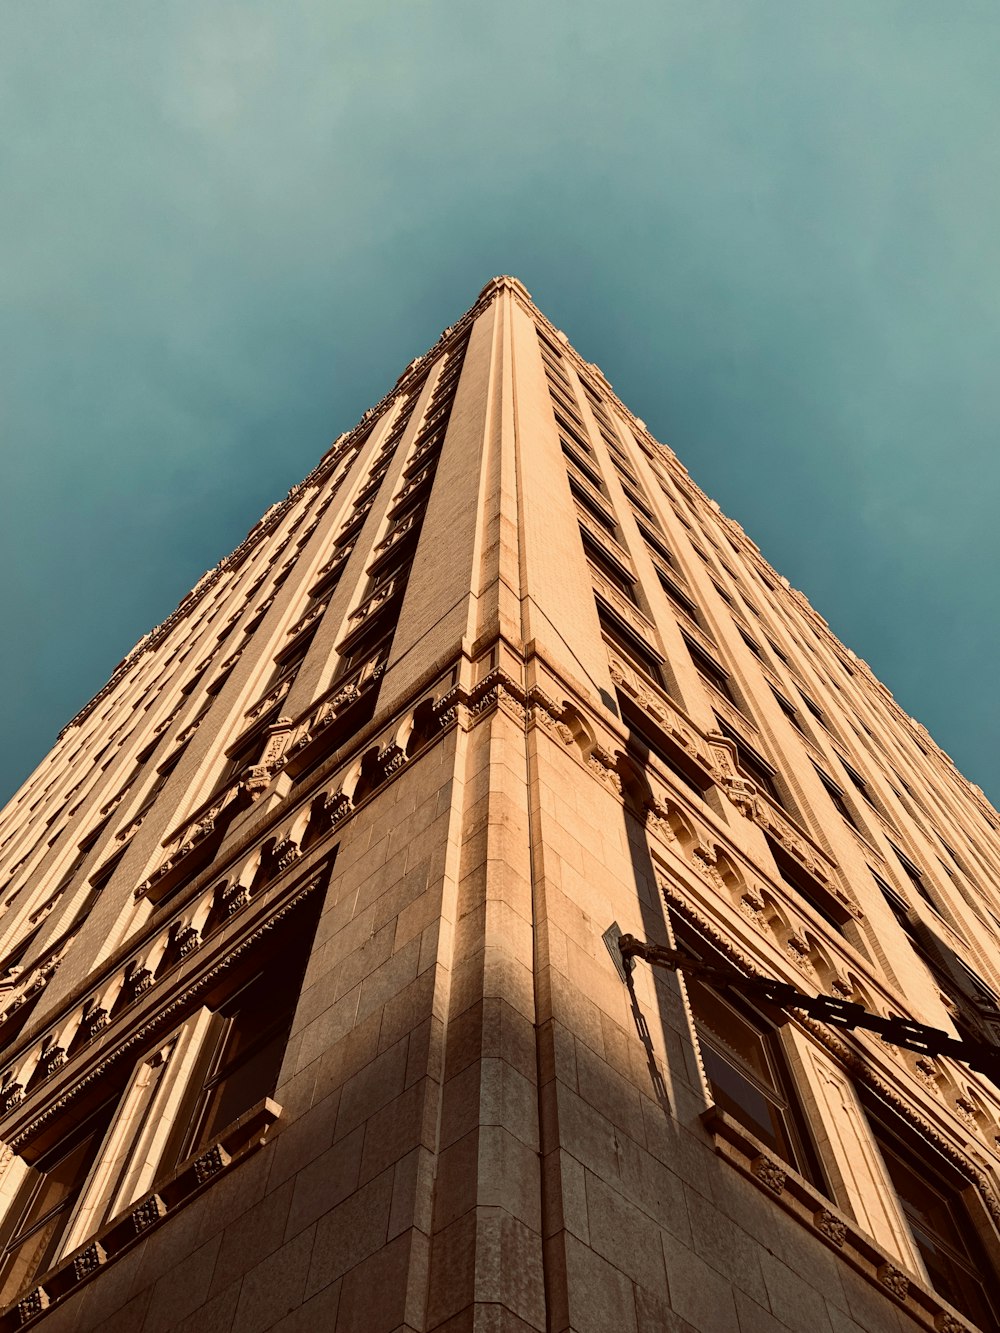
(311, 1010)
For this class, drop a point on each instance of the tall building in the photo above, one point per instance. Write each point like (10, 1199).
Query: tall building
(314, 1012)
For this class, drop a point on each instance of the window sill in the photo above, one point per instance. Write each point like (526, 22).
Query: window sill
(236, 1143)
(824, 1220)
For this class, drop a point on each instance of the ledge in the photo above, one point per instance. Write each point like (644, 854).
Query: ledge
(828, 1224)
(242, 1138)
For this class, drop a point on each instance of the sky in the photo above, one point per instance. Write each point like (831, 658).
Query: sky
(225, 229)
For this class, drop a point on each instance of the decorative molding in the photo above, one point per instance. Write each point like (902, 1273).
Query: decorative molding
(765, 1169)
(894, 1280)
(830, 1226)
(857, 1064)
(33, 1304)
(210, 1163)
(146, 1213)
(89, 1260)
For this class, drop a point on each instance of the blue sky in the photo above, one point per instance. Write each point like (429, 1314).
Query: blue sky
(226, 228)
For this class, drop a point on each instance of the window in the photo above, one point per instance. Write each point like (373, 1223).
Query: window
(645, 739)
(656, 544)
(788, 709)
(814, 708)
(582, 466)
(798, 878)
(837, 797)
(752, 644)
(916, 878)
(858, 780)
(593, 507)
(983, 993)
(242, 1054)
(932, 1195)
(609, 568)
(754, 765)
(677, 595)
(224, 1059)
(746, 1069)
(635, 650)
(710, 670)
(40, 1214)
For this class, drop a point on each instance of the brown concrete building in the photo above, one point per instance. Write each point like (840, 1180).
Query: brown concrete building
(308, 1021)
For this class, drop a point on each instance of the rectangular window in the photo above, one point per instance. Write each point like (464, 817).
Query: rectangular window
(678, 596)
(635, 650)
(38, 1218)
(609, 568)
(710, 670)
(860, 784)
(754, 765)
(916, 878)
(746, 1070)
(645, 739)
(798, 878)
(593, 507)
(788, 709)
(932, 1196)
(837, 797)
(752, 644)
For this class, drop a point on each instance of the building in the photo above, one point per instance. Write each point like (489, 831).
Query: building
(312, 1012)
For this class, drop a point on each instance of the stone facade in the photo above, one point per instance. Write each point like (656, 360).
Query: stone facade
(308, 1013)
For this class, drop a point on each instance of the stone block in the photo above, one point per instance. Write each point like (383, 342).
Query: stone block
(406, 1123)
(350, 1232)
(609, 1094)
(601, 1297)
(181, 1290)
(216, 1315)
(302, 1140)
(325, 1183)
(386, 981)
(377, 1083)
(275, 1288)
(793, 1300)
(374, 1294)
(697, 1292)
(622, 1234)
(726, 1246)
(251, 1238)
(755, 1318)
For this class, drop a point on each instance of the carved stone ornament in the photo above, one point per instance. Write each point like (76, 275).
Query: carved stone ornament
(257, 781)
(658, 817)
(10, 1096)
(769, 1173)
(89, 1260)
(53, 1059)
(210, 1163)
(797, 946)
(894, 1280)
(752, 907)
(33, 1304)
(947, 1323)
(148, 1212)
(968, 1110)
(188, 940)
(235, 896)
(706, 861)
(286, 852)
(140, 981)
(830, 1226)
(391, 758)
(96, 1020)
(337, 806)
